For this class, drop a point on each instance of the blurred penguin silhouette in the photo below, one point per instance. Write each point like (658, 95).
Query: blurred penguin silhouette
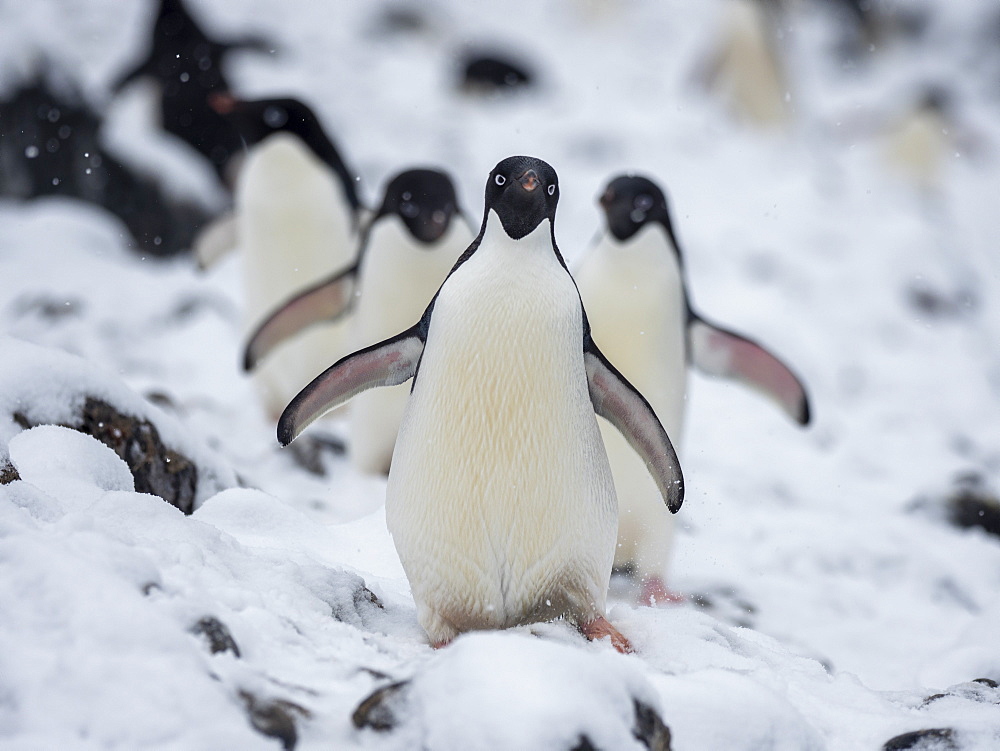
(187, 65)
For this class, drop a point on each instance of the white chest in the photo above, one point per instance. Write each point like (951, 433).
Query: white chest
(500, 496)
(634, 296)
(399, 276)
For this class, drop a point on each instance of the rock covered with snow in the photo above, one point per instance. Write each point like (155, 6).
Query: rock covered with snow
(40, 387)
(499, 691)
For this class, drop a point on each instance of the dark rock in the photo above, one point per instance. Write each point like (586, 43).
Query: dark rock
(218, 636)
(973, 504)
(399, 20)
(352, 602)
(384, 710)
(155, 468)
(981, 690)
(50, 309)
(381, 710)
(274, 718)
(937, 304)
(493, 73)
(932, 739)
(726, 604)
(307, 451)
(650, 729)
(8, 473)
(51, 146)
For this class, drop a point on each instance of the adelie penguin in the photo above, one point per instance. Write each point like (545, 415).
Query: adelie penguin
(407, 250)
(632, 283)
(186, 63)
(500, 499)
(296, 221)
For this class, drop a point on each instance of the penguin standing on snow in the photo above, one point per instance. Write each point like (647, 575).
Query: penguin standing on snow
(632, 284)
(296, 220)
(500, 499)
(407, 250)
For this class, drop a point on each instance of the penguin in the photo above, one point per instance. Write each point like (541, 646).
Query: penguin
(186, 62)
(746, 68)
(500, 499)
(296, 220)
(918, 144)
(407, 250)
(632, 283)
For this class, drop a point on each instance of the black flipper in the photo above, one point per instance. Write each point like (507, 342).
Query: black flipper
(719, 352)
(387, 363)
(617, 401)
(325, 301)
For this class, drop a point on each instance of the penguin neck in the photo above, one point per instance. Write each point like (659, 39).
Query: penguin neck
(540, 240)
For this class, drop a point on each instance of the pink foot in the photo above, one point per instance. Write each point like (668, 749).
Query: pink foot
(655, 592)
(440, 644)
(601, 627)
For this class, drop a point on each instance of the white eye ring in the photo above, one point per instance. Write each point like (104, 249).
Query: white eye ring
(500, 179)
(552, 189)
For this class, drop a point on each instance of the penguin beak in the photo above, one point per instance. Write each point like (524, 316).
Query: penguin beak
(222, 102)
(529, 180)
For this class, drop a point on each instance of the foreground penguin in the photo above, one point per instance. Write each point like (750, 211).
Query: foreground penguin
(632, 284)
(500, 499)
(407, 250)
(296, 219)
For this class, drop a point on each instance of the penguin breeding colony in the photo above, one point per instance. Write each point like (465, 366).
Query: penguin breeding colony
(576, 375)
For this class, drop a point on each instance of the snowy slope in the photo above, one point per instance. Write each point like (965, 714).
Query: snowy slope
(834, 608)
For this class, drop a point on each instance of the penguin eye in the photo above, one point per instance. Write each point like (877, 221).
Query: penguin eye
(643, 202)
(500, 179)
(275, 117)
(552, 189)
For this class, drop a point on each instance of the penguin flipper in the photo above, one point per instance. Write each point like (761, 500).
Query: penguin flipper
(617, 401)
(216, 240)
(325, 301)
(718, 352)
(387, 363)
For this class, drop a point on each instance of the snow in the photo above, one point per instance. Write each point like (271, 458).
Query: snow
(833, 607)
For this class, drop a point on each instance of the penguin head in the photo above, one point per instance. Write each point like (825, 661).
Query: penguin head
(425, 201)
(630, 202)
(257, 119)
(523, 191)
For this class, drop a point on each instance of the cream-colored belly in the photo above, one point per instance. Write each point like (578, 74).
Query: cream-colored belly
(294, 229)
(633, 295)
(397, 279)
(500, 498)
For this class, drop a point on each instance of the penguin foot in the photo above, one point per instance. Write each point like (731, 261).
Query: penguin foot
(440, 644)
(601, 627)
(655, 592)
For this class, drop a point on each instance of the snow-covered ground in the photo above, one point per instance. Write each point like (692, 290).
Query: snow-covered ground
(835, 596)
